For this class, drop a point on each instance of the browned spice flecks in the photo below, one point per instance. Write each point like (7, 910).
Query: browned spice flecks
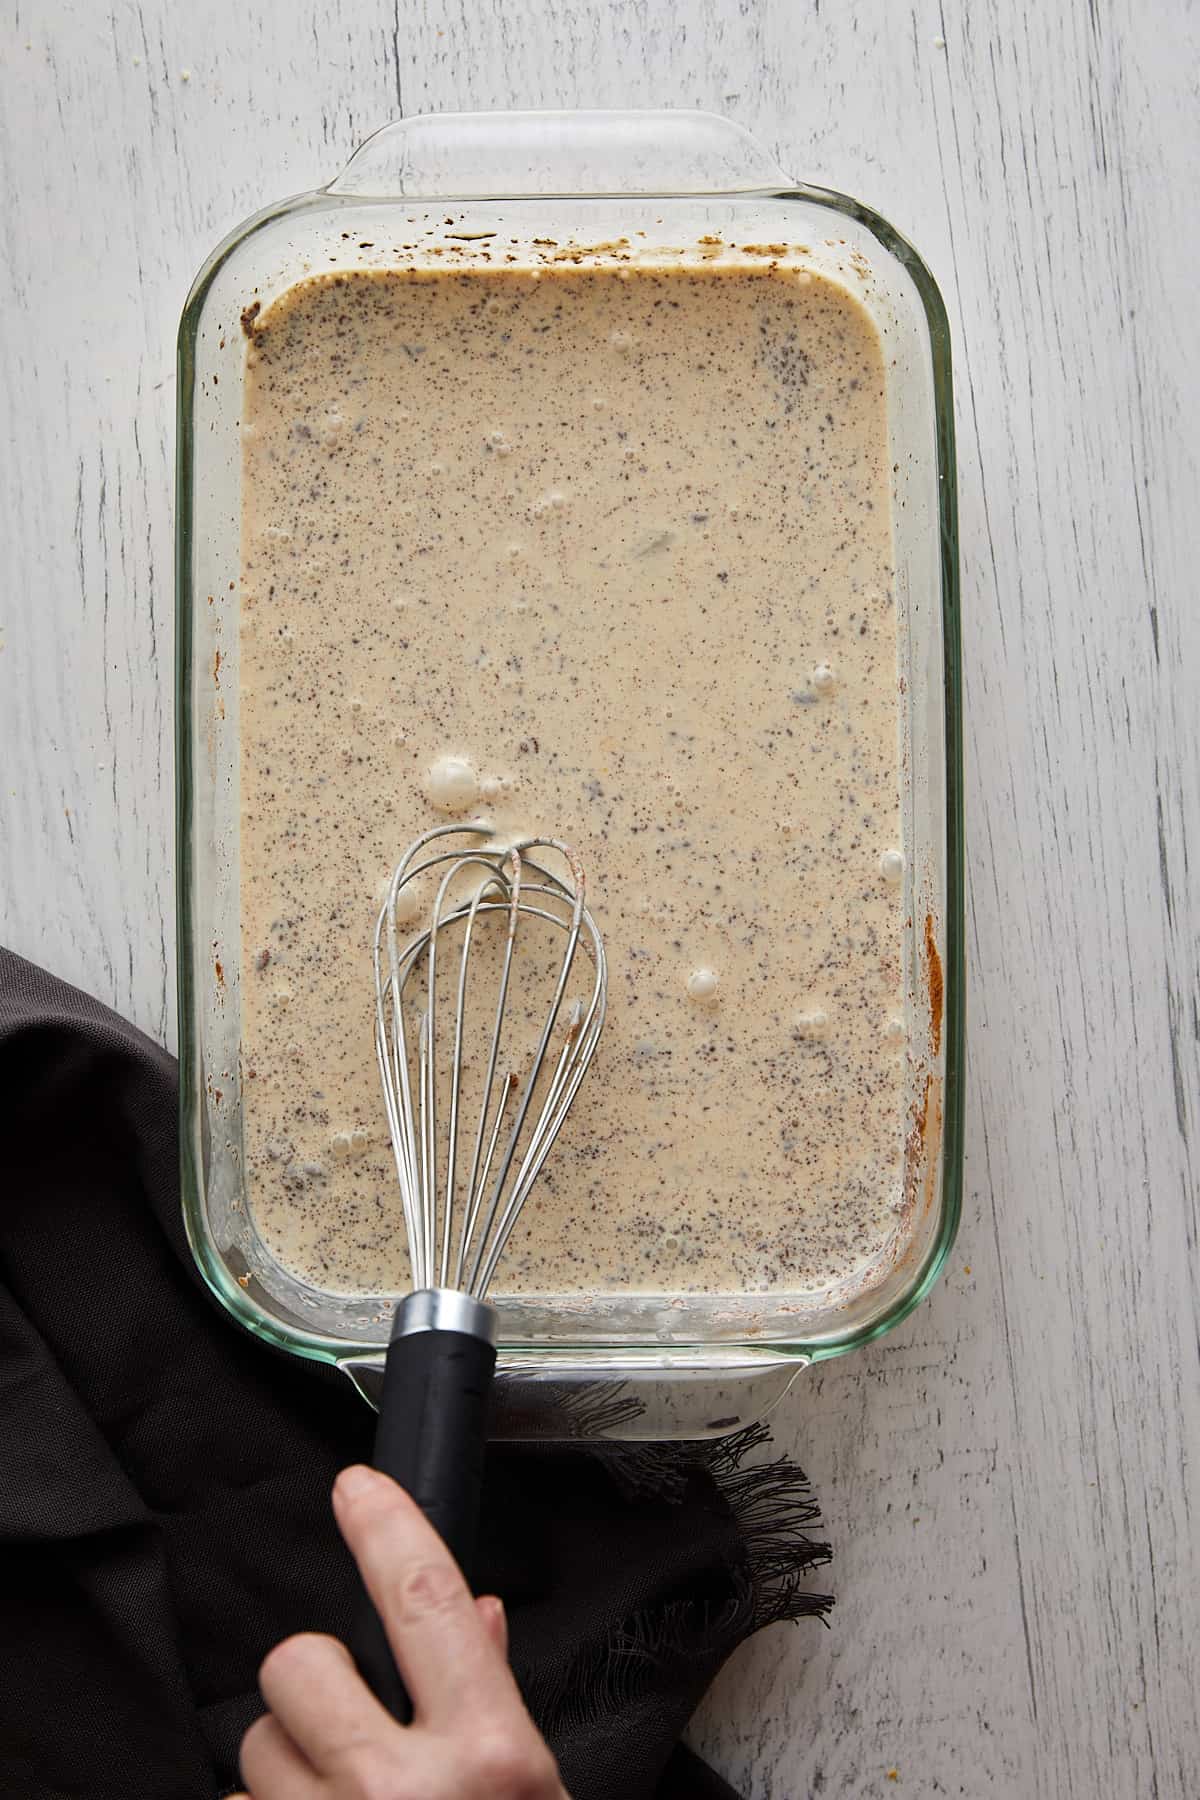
(933, 963)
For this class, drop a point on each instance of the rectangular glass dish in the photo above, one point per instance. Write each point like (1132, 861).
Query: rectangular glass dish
(625, 1364)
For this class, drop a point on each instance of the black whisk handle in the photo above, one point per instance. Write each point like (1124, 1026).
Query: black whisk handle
(433, 1415)
(431, 1438)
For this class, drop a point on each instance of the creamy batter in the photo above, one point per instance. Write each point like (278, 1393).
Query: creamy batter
(603, 553)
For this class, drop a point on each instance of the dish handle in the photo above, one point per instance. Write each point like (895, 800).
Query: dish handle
(509, 155)
(621, 1396)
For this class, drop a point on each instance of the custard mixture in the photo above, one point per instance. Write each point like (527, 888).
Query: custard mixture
(600, 553)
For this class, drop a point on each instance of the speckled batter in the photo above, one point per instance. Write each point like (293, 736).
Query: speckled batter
(605, 554)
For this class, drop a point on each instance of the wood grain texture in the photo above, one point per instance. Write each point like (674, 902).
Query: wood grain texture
(1009, 1479)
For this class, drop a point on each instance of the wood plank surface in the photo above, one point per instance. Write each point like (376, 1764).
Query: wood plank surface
(1010, 1477)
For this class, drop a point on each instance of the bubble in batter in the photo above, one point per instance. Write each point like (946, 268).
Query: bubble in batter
(812, 1024)
(452, 784)
(345, 1144)
(408, 905)
(823, 678)
(891, 865)
(548, 503)
(702, 984)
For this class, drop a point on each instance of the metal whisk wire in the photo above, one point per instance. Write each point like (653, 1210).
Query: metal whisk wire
(510, 1143)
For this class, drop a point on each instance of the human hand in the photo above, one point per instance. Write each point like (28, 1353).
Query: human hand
(326, 1736)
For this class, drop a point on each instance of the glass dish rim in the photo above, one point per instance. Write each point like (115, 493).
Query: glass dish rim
(218, 1277)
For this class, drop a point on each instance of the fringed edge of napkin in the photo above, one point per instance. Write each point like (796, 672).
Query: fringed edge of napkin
(772, 1506)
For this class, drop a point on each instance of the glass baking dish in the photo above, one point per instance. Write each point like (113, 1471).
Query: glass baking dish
(630, 1365)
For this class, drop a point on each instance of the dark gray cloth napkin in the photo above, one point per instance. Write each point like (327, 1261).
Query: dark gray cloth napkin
(164, 1484)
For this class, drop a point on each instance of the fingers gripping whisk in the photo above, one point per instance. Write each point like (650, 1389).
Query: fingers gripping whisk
(493, 966)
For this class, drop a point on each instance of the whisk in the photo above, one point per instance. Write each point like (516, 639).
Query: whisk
(461, 1191)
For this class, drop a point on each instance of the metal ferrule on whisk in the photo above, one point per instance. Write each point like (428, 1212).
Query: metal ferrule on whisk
(444, 1309)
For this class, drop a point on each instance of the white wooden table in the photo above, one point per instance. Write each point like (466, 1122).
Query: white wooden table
(1010, 1478)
